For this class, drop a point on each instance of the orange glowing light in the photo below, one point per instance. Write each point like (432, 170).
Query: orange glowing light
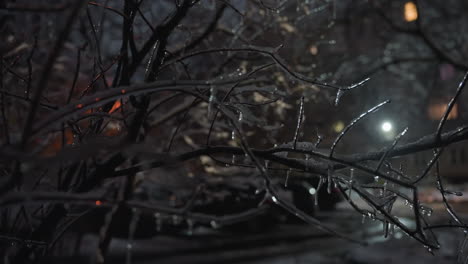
(123, 91)
(437, 110)
(56, 143)
(116, 106)
(79, 106)
(411, 12)
(98, 203)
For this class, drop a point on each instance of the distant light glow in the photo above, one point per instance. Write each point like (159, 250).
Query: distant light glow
(338, 126)
(387, 126)
(411, 12)
(437, 110)
(312, 191)
(313, 50)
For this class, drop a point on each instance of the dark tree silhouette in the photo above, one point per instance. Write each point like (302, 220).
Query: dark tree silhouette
(138, 118)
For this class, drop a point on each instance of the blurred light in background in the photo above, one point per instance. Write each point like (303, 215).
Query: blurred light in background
(411, 12)
(312, 191)
(338, 126)
(437, 110)
(387, 126)
(313, 50)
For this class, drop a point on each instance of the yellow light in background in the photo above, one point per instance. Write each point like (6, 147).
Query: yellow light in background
(411, 12)
(338, 126)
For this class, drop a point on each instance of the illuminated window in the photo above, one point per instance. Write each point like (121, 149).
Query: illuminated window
(437, 110)
(411, 12)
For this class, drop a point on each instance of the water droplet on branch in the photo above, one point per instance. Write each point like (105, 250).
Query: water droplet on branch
(288, 172)
(330, 178)
(351, 179)
(214, 224)
(299, 121)
(211, 101)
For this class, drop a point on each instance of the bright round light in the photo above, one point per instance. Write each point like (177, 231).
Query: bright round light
(386, 126)
(312, 191)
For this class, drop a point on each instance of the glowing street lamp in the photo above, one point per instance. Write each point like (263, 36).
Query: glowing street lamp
(386, 127)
